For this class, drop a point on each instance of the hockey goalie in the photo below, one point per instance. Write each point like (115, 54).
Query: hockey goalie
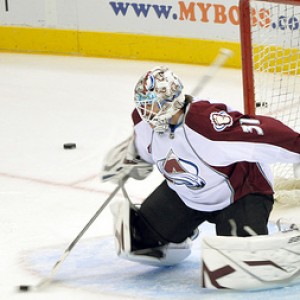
(214, 163)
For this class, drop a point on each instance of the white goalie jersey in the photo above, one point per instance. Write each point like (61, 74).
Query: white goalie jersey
(217, 155)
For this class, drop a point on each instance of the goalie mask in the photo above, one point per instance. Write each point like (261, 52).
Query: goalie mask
(158, 96)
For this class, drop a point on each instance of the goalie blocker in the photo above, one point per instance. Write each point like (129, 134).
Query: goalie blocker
(123, 161)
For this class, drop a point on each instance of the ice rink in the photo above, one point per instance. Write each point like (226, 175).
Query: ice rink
(48, 194)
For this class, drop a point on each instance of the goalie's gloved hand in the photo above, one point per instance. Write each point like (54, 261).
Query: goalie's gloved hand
(123, 161)
(139, 168)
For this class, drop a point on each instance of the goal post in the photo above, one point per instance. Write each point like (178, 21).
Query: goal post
(270, 47)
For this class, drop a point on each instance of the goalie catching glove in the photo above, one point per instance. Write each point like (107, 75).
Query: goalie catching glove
(123, 161)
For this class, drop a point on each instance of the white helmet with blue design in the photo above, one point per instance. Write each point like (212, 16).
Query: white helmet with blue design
(159, 96)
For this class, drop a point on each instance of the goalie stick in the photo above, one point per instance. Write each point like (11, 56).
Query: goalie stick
(43, 283)
(218, 62)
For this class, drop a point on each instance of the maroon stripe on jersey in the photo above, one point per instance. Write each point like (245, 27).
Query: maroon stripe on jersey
(245, 178)
(136, 117)
(274, 132)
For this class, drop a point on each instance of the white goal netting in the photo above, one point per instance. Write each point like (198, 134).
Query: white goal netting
(275, 39)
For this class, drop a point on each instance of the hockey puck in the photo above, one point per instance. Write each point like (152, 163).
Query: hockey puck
(69, 146)
(261, 104)
(24, 288)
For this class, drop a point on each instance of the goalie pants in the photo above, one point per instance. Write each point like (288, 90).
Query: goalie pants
(163, 217)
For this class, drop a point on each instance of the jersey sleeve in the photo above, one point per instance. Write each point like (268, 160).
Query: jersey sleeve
(240, 137)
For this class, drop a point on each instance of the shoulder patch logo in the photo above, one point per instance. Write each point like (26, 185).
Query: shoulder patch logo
(220, 120)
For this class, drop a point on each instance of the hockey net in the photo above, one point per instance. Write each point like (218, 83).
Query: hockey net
(270, 43)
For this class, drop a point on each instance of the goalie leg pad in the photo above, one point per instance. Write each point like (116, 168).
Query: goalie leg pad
(166, 255)
(251, 263)
(121, 217)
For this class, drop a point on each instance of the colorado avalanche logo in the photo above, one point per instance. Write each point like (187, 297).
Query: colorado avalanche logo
(181, 172)
(220, 120)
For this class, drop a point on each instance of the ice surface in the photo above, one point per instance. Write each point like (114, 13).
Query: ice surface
(48, 194)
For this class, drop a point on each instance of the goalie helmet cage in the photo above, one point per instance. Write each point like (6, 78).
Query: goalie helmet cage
(270, 46)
